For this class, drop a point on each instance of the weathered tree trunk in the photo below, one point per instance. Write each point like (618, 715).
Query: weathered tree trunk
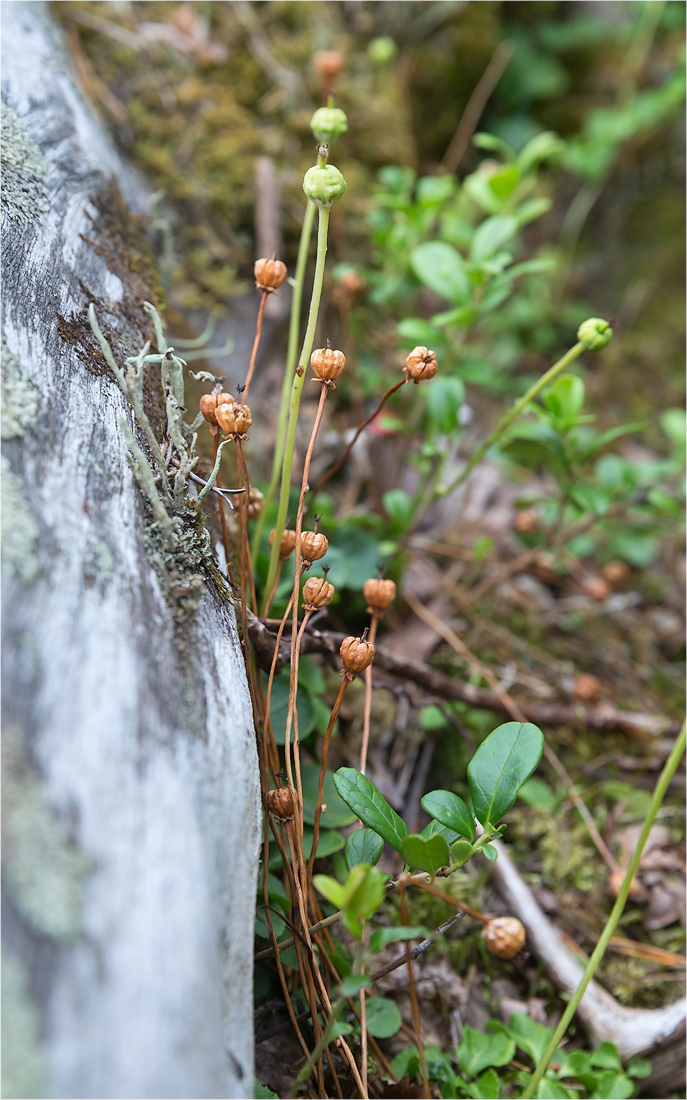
(131, 810)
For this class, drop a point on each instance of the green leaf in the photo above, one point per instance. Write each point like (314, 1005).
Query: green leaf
(477, 1051)
(351, 986)
(566, 397)
(461, 851)
(574, 1063)
(382, 937)
(485, 1087)
(674, 425)
(535, 792)
(330, 889)
(451, 811)
(432, 717)
(490, 236)
(364, 893)
(613, 1086)
(529, 1036)
(590, 499)
(606, 1057)
(439, 266)
(504, 181)
(363, 846)
(502, 763)
(337, 814)
(551, 1089)
(429, 855)
(493, 144)
(415, 331)
(398, 506)
(444, 399)
(435, 828)
(541, 147)
(262, 1092)
(406, 1063)
(489, 852)
(638, 1067)
(330, 841)
(370, 806)
(382, 1017)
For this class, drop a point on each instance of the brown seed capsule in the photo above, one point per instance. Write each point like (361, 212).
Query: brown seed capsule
(255, 503)
(317, 592)
(234, 419)
(597, 588)
(616, 573)
(421, 363)
(379, 593)
(210, 401)
(615, 881)
(356, 654)
(269, 274)
(314, 545)
(504, 937)
(327, 363)
(280, 802)
(328, 63)
(526, 522)
(287, 544)
(587, 688)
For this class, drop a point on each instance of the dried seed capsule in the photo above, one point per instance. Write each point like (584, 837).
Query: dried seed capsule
(269, 274)
(597, 588)
(328, 63)
(615, 881)
(587, 688)
(327, 363)
(317, 592)
(379, 593)
(616, 572)
(324, 186)
(328, 124)
(313, 545)
(280, 802)
(526, 522)
(210, 401)
(594, 333)
(234, 419)
(255, 503)
(356, 654)
(421, 363)
(287, 544)
(504, 937)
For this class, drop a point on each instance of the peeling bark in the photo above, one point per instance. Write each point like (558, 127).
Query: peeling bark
(131, 808)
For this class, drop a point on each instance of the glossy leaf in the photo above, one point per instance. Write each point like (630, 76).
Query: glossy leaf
(383, 1017)
(363, 846)
(478, 1050)
(451, 811)
(429, 855)
(502, 763)
(370, 806)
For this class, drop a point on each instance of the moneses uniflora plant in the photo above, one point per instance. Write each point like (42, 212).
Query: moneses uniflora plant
(331, 978)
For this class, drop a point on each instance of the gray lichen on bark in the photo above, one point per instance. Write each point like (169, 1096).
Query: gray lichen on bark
(136, 765)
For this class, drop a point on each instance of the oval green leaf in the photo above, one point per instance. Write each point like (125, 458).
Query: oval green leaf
(451, 811)
(502, 763)
(439, 266)
(381, 937)
(363, 846)
(370, 806)
(429, 855)
(383, 1018)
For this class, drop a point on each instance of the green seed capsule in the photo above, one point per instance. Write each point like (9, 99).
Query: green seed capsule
(324, 186)
(328, 124)
(594, 333)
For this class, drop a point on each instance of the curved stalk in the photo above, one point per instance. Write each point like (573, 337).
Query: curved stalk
(296, 390)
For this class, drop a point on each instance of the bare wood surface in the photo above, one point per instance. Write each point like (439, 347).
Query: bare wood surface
(131, 804)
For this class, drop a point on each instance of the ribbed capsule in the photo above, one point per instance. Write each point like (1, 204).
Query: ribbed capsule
(379, 593)
(269, 274)
(356, 654)
(421, 364)
(209, 403)
(317, 592)
(314, 545)
(504, 937)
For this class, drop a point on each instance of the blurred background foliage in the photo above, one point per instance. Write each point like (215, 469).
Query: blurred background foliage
(196, 92)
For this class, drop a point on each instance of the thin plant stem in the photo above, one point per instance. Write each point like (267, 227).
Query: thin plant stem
(359, 430)
(363, 1019)
(222, 517)
(669, 769)
(296, 390)
(256, 345)
(245, 503)
(323, 767)
(291, 354)
(416, 881)
(417, 1026)
(295, 637)
(277, 578)
(368, 699)
(519, 406)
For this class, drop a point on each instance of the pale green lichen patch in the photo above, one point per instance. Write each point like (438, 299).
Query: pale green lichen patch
(43, 869)
(24, 194)
(23, 1062)
(19, 398)
(19, 529)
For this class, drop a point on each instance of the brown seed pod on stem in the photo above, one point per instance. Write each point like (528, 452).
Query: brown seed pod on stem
(269, 274)
(421, 363)
(317, 592)
(256, 501)
(328, 364)
(314, 545)
(504, 937)
(379, 593)
(209, 403)
(234, 419)
(287, 544)
(356, 654)
(280, 802)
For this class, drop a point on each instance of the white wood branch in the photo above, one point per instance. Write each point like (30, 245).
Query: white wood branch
(131, 806)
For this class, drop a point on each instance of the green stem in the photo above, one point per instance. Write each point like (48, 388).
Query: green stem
(296, 390)
(519, 406)
(291, 353)
(660, 789)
